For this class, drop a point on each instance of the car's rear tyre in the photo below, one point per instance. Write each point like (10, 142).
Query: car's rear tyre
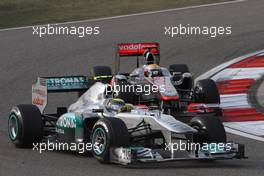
(25, 125)
(210, 129)
(206, 91)
(127, 94)
(107, 133)
(179, 68)
(102, 74)
(102, 71)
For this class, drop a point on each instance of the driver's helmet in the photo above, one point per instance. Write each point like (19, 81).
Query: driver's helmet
(149, 58)
(152, 70)
(115, 105)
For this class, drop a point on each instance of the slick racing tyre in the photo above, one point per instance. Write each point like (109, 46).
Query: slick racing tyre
(102, 71)
(25, 125)
(131, 97)
(102, 74)
(179, 68)
(206, 91)
(210, 129)
(107, 133)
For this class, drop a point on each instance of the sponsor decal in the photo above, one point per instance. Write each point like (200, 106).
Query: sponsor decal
(66, 122)
(39, 92)
(66, 83)
(127, 49)
(58, 130)
(130, 47)
(38, 101)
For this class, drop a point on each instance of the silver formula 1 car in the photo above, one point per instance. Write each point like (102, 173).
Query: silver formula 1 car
(118, 132)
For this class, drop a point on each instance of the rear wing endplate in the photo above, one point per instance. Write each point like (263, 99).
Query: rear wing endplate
(45, 85)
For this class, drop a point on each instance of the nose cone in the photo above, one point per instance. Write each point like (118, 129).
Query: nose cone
(173, 125)
(166, 88)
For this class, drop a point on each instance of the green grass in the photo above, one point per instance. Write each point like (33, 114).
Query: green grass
(15, 13)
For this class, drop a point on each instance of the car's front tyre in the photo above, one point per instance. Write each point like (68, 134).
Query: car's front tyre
(210, 129)
(107, 133)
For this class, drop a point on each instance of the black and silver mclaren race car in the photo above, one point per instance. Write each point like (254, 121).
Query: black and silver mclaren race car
(172, 89)
(117, 132)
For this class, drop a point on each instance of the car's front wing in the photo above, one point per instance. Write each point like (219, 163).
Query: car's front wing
(132, 155)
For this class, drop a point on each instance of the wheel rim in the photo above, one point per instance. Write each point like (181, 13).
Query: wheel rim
(199, 129)
(13, 127)
(99, 141)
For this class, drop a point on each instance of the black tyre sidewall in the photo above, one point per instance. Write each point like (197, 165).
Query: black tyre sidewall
(128, 97)
(116, 133)
(102, 71)
(206, 92)
(182, 68)
(103, 157)
(30, 125)
(212, 127)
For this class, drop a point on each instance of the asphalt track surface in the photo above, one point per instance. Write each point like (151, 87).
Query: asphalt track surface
(24, 57)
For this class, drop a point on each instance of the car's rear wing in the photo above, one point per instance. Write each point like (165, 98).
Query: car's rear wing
(125, 50)
(137, 49)
(45, 85)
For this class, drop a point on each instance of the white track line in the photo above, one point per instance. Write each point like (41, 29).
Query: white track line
(135, 14)
(240, 133)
